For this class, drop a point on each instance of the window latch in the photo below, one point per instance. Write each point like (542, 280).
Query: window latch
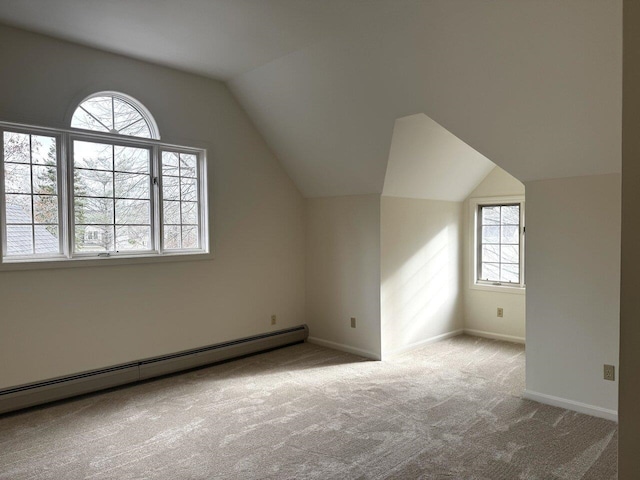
(155, 180)
(105, 254)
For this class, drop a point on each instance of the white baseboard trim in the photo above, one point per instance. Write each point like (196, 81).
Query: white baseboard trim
(494, 336)
(572, 405)
(344, 348)
(420, 343)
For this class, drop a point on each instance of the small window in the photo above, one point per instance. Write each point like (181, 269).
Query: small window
(106, 189)
(499, 244)
(114, 113)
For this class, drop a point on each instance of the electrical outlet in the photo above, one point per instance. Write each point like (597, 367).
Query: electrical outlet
(353, 322)
(273, 319)
(609, 372)
(500, 312)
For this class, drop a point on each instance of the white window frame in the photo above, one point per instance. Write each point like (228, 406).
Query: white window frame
(67, 257)
(474, 244)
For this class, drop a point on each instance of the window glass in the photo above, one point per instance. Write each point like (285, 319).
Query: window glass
(111, 197)
(180, 194)
(499, 246)
(31, 194)
(111, 114)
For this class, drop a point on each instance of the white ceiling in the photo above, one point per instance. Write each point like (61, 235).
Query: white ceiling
(216, 38)
(427, 161)
(535, 85)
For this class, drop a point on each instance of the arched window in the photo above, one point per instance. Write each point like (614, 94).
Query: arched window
(104, 188)
(115, 113)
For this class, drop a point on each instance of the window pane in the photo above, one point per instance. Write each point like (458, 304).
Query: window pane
(188, 165)
(189, 190)
(133, 160)
(124, 114)
(93, 183)
(137, 129)
(45, 180)
(43, 150)
(108, 113)
(18, 208)
(189, 237)
(190, 213)
(46, 237)
(19, 240)
(89, 210)
(510, 254)
(490, 215)
(45, 209)
(97, 156)
(171, 188)
(511, 215)
(94, 238)
(491, 253)
(100, 108)
(129, 121)
(16, 147)
(82, 119)
(490, 234)
(132, 212)
(490, 271)
(171, 212)
(133, 238)
(172, 236)
(510, 235)
(509, 273)
(17, 178)
(129, 185)
(170, 163)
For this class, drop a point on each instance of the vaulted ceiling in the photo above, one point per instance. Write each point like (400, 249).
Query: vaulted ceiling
(535, 86)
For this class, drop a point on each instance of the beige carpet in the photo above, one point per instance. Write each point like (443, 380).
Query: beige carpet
(449, 410)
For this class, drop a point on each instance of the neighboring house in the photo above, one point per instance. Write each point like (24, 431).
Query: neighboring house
(21, 240)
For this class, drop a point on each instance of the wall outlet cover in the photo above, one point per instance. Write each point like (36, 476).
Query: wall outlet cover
(610, 372)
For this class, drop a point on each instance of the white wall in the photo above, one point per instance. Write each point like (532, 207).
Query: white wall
(343, 272)
(420, 271)
(573, 289)
(480, 306)
(56, 322)
(427, 161)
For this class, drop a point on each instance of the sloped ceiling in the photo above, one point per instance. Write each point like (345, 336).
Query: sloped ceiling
(429, 162)
(535, 86)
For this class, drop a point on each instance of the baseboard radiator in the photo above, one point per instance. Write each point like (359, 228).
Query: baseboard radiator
(23, 396)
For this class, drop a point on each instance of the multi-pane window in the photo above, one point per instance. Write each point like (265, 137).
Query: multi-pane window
(113, 113)
(181, 216)
(111, 197)
(500, 243)
(73, 194)
(31, 211)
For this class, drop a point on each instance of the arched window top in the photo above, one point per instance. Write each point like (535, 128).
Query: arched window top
(116, 113)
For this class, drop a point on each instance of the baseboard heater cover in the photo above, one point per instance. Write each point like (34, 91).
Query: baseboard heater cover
(29, 395)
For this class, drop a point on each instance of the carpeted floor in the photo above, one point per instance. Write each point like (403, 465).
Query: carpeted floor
(450, 410)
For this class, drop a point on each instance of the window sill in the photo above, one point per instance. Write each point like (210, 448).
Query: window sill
(515, 289)
(103, 261)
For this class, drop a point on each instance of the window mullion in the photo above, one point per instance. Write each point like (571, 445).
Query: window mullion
(69, 200)
(156, 201)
